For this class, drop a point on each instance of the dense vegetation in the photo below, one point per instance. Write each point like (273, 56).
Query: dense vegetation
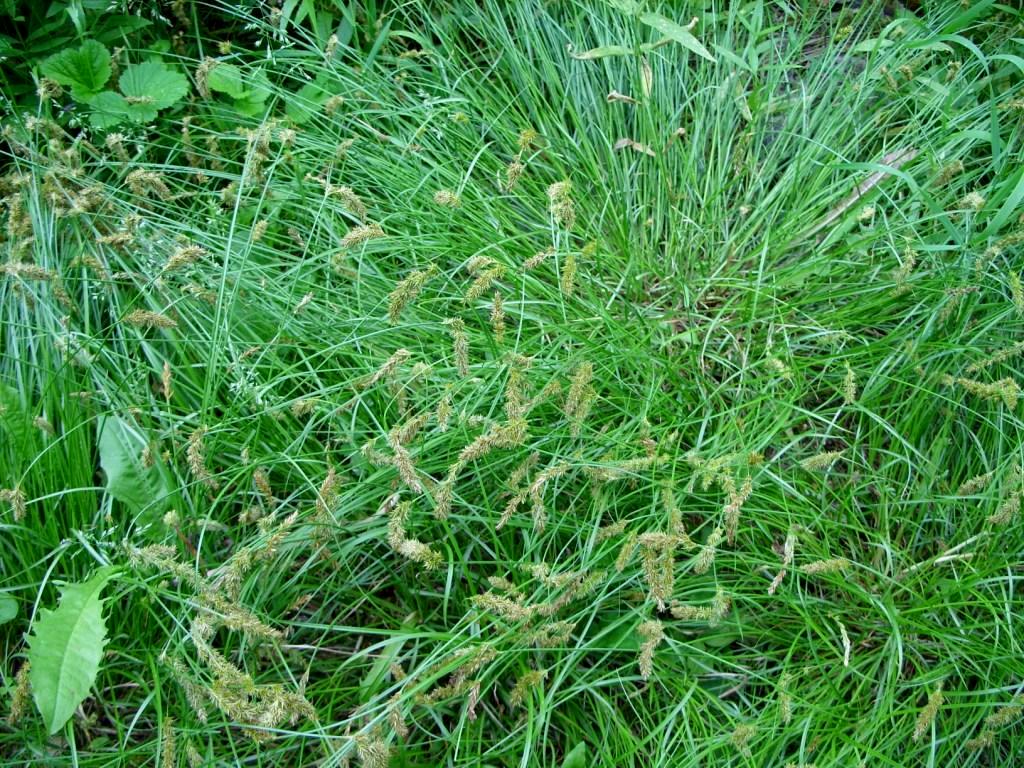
(512, 383)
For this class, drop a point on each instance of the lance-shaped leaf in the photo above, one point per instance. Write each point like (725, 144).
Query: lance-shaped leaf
(674, 31)
(601, 52)
(142, 488)
(66, 647)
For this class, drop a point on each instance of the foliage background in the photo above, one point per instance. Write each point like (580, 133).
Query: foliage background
(772, 325)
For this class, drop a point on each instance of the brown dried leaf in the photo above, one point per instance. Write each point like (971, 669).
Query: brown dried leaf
(614, 96)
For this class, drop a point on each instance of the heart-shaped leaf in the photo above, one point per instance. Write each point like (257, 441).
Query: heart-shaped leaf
(85, 70)
(66, 648)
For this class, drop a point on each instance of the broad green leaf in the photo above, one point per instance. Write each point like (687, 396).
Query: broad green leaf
(8, 608)
(1017, 61)
(142, 112)
(65, 649)
(723, 637)
(680, 34)
(257, 88)
(871, 45)
(14, 418)
(85, 70)
(76, 13)
(577, 758)
(140, 488)
(111, 28)
(632, 7)
(226, 78)
(1008, 205)
(108, 109)
(153, 84)
(375, 676)
(601, 52)
(249, 95)
(971, 12)
(47, 37)
(306, 102)
(249, 106)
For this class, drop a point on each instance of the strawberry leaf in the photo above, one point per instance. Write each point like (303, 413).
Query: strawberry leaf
(151, 86)
(108, 109)
(226, 78)
(85, 70)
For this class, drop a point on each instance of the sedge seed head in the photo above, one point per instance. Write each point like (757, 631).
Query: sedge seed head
(361, 234)
(927, 715)
(142, 318)
(15, 498)
(447, 198)
(652, 633)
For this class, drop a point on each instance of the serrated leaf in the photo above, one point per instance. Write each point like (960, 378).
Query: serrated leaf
(65, 649)
(154, 85)
(8, 609)
(142, 113)
(85, 70)
(226, 78)
(680, 34)
(577, 758)
(108, 109)
(140, 488)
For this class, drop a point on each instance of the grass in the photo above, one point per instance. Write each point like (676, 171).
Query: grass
(742, 317)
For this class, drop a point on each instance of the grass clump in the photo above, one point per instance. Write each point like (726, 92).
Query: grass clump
(479, 438)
